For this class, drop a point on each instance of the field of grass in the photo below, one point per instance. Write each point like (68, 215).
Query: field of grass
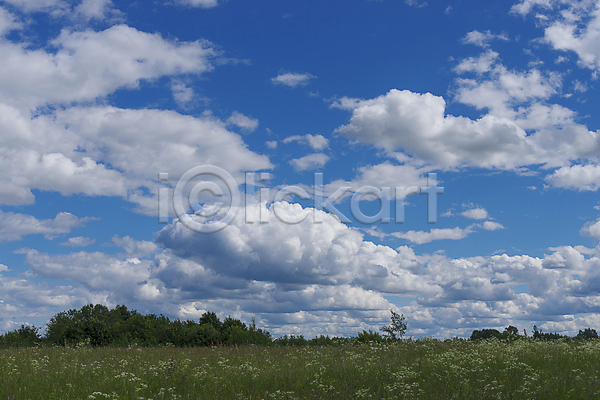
(424, 369)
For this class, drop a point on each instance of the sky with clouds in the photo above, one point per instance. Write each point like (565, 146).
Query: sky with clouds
(106, 105)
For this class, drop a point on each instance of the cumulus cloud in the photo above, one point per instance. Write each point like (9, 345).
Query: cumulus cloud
(492, 226)
(292, 79)
(182, 93)
(591, 229)
(95, 9)
(14, 226)
(570, 26)
(483, 39)
(308, 260)
(316, 142)
(417, 125)
(523, 7)
(91, 64)
(39, 5)
(499, 89)
(198, 3)
(306, 278)
(271, 144)
(8, 22)
(309, 162)
(386, 174)
(421, 237)
(135, 248)
(416, 3)
(578, 177)
(475, 213)
(247, 124)
(78, 241)
(40, 153)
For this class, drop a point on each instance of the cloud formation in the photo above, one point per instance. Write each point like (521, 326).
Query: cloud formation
(292, 79)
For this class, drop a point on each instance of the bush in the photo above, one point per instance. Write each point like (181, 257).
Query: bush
(22, 337)
(370, 336)
(587, 334)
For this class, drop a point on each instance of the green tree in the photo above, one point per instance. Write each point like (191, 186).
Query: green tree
(587, 334)
(369, 336)
(397, 328)
(484, 334)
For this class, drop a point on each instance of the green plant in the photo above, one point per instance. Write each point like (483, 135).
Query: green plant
(397, 328)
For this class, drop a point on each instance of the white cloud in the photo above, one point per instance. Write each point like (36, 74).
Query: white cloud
(475, 213)
(481, 64)
(421, 237)
(482, 39)
(14, 226)
(591, 229)
(417, 125)
(135, 248)
(416, 3)
(573, 27)
(578, 177)
(382, 175)
(307, 258)
(271, 144)
(95, 9)
(316, 142)
(310, 162)
(40, 153)
(447, 213)
(39, 5)
(89, 64)
(306, 278)
(247, 124)
(78, 241)
(96, 271)
(525, 6)
(8, 22)
(292, 79)
(502, 88)
(198, 3)
(182, 93)
(492, 226)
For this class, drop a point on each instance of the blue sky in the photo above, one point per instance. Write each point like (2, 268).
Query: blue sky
(498, 99)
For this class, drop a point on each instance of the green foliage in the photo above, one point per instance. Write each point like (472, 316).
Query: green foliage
(397, 328)
(370, 336)
(511, 333)
(538, 334)
(99, 326)
(587, 334)
(25, 336)
(291, 341)
(484, 334)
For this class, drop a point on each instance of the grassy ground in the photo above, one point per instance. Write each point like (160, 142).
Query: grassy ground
(426, 369)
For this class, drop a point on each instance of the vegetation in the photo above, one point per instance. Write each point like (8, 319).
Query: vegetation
(98, 353)
(99, 326)
(404, 369)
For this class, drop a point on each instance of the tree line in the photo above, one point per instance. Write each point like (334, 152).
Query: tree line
(512, 333)
(97, 325)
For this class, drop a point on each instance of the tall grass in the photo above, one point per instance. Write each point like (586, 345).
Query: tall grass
(424, 369)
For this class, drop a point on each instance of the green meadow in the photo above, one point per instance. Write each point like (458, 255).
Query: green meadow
(407, 369)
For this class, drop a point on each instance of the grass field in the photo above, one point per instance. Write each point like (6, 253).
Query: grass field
(424, 369)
